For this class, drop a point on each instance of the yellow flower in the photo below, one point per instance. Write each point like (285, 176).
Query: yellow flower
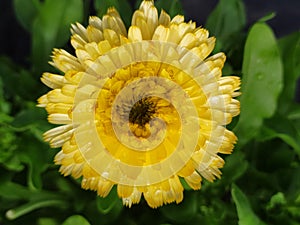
(143, 109)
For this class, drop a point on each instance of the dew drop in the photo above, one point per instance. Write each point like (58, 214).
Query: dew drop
(259, 76)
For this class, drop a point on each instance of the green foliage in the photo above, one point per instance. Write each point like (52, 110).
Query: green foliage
(183, 213)
(76, 220)
(110, 204)
(245, 213)
(226, 19)
(26, 12)
(122, 6)
(290, 51)
(262, 76)
(172, 7)
(51, 28)
(261, 179)
(226, 22)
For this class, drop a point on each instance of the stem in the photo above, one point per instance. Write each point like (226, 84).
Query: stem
(30, 206)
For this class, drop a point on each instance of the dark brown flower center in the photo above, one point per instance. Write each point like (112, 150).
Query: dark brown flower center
(142, 112)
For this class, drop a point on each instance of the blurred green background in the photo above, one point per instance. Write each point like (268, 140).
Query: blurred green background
(261, 179)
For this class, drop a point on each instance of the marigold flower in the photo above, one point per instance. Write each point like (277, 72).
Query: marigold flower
(142, 109)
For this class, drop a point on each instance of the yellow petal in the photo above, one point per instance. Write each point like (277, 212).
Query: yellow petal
(64, 61)
(124, 191)
(161, 33)
(113, 21)
(53, 80)
(43, 101)
(194, 180)
(164, 18)
(80, 30)
(94, 34)
(56, 96)
(58, 118)
(177, 19)
(96, 22)
(112, 37)
(104, 187)
(134, 198)
(135, 34)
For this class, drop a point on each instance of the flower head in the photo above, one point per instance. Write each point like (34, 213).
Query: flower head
(142, 109)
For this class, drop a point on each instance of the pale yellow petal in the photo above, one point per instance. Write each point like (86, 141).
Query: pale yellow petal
(114, 13)
(54, 132)
(53, 80)
(113, 21)
(194, 180)
(201, 33)
(134, 198)
(161, 33)
(177, 19)
(77, 42)
(112, 37)
(56, 96)
(64, 61)
(42, 101)
(80, 30)
(104, 46)
(124, 191)
(164, 18)
(58, 118)
(94, 34)
(96, 22)
(134, 34)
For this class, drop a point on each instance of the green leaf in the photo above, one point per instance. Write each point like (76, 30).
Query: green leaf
(102, 6)
(290, 53)
(109, 203)
(261, 83)
(122, 6)
(51, 28)
(244, 210)
(268, 134)
(183, 212)
(172, 7)
(18, 83)
(267, 17)
(31, 119)
(14, 191)
(234, 168)
(13, 163)
(104, 210)
(8, 137)
(277, 200)
(28, 117)
(37, 157)
(226, 19)
(294, 113)
(47, 221)
(137, 4)
(76, 220)
(4, 105)
(294, 211)
(26, 12)
(8, 145)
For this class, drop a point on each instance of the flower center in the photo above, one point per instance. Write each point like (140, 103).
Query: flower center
(142, 111)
